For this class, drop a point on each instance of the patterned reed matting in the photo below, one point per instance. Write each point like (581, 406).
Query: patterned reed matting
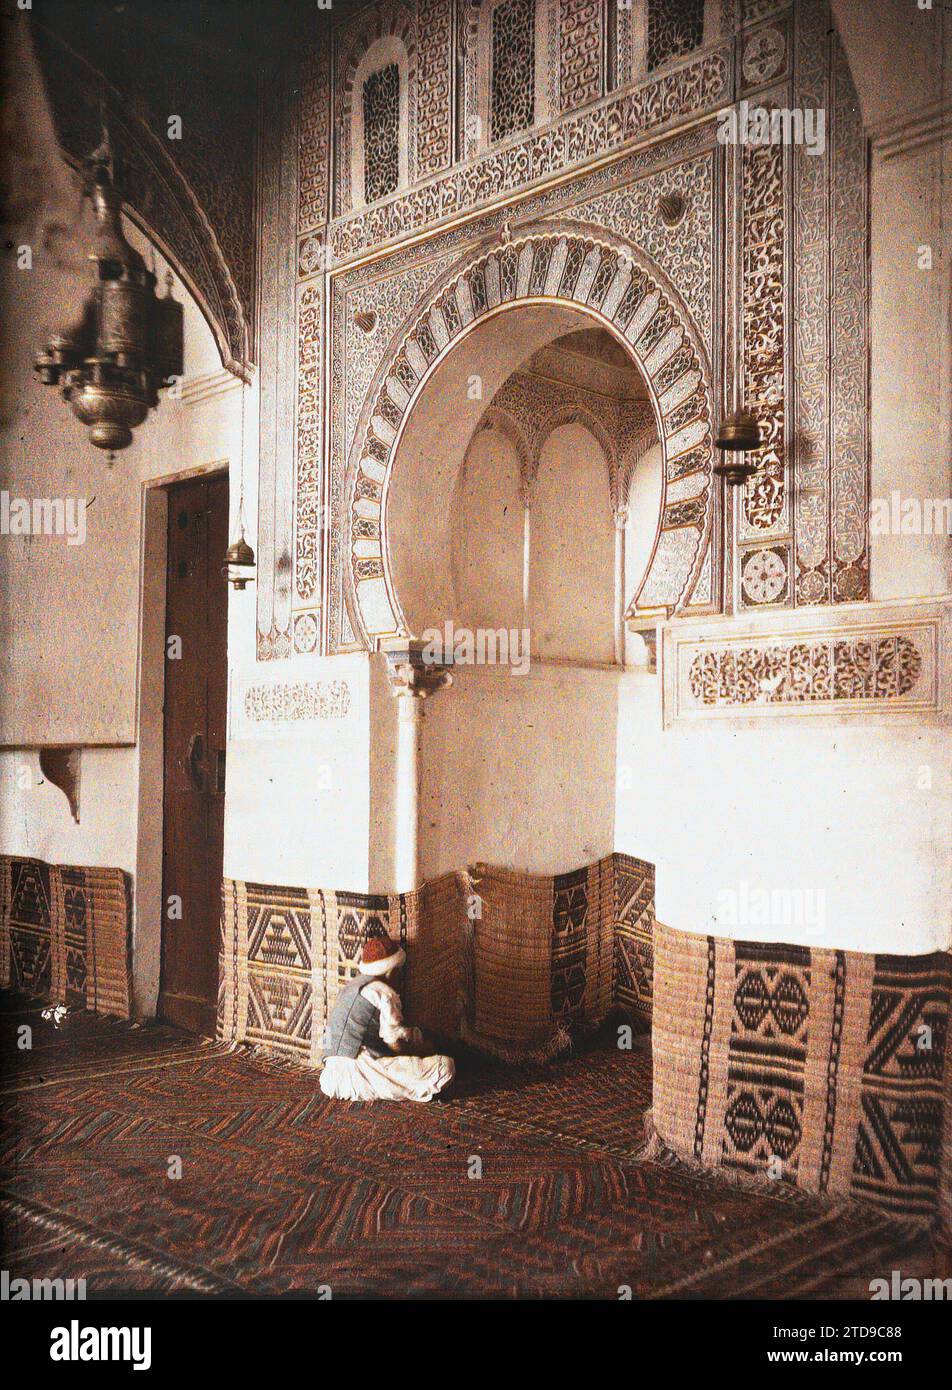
(283, 1190)
(830, 1065)
(64, 933)
(511, 961)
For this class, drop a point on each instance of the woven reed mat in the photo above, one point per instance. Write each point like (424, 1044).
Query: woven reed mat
(511, 962)
(511, 1008)
(805, 1065)
(428, 927)
(64, 934)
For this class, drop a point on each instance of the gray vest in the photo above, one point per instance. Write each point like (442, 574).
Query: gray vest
(354, 1023)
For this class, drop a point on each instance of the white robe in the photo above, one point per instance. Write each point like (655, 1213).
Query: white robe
(403, 1077)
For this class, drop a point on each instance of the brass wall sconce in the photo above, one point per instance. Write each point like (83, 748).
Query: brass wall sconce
(739, 433)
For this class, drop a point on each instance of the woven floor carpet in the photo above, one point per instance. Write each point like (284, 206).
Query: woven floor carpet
(284, 1191)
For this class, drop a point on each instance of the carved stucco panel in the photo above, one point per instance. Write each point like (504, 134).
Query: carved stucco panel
(651, 317)
(685, 251)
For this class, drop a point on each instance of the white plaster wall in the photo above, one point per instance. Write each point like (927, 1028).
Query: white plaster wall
(519, 770)
(571, 577)
(644, 512)
(911, 420)
(488, 532)
(297, 805)
(898, 56)
(36, 820)
(77, 665)
(853, 816)
(69, 615)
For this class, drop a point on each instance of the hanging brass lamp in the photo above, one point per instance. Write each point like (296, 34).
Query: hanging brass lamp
(239, 563)
(238, 566)
(126, 344)
(738, 434)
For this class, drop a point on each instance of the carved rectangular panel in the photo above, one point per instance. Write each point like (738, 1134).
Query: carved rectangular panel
(580, 52)
(313, 139)
(888, 658)
(278, 185)
(831, 344)
(697, 86)
(434, 59)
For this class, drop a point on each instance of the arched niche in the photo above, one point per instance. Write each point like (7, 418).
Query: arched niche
(386, 35)
(571, 578)
(388, 51)
(466, 337)
(434, 448)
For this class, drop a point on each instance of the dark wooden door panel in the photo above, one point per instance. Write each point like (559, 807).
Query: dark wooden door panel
(195, 711)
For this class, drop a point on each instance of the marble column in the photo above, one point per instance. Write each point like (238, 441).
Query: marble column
(413, 680)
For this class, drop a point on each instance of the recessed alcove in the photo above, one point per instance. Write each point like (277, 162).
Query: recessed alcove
(528, 461)
(530, 445)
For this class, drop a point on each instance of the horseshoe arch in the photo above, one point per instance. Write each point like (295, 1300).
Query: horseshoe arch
(577, 268)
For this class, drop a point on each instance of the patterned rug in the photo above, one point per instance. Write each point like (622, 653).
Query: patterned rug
(522, 1184)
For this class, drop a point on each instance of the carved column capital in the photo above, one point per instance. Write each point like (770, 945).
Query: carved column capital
(411, 675)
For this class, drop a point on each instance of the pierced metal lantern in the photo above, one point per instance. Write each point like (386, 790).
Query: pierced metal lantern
(239, 565)
(127, 344)
(739, 432)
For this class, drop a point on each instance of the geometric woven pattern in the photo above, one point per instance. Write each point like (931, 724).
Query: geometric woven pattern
(824, 1069)
(899, 1137)
(64, 934)
(510, 960)
(763, 1122)
(378, 1200)
(634, 930)
(285, 954)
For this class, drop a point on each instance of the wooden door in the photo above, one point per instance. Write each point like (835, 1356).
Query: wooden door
(196, 669)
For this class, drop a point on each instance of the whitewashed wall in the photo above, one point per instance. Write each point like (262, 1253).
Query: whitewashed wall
(78, 668)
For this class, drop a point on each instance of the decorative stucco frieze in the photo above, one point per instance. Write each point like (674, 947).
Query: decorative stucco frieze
(781, 303)
(393, 286)
(581, 49)
(830, 316)
(308, 532)
(434, 126)
(882, 657)
(313, 138)
(279, 204)
(699, 85)
(293, 701)
(686, 250)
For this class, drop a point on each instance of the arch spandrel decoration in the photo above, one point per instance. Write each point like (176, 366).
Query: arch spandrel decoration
(614, 283)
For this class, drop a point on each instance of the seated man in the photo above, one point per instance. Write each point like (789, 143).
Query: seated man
(369, 1053)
